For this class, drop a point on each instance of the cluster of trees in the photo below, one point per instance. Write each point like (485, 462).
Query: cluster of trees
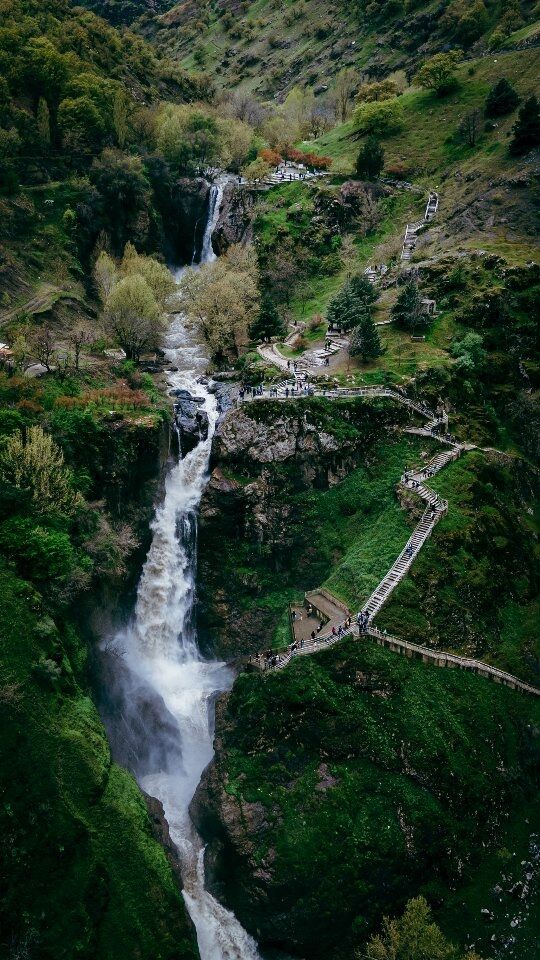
(134, 294)
(193, 136)
(223, 299)
(64, 89)
(351, 309)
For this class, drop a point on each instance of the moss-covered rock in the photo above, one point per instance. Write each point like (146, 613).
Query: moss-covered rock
(82, 874)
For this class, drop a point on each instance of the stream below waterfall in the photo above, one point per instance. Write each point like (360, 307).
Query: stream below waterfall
(165, 688)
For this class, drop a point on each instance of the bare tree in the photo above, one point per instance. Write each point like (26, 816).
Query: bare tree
(346, 84)
(470, 127)
(43, 344)
(79, 337)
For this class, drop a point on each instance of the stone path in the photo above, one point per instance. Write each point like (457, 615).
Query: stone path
(436, 507)
(412, 229)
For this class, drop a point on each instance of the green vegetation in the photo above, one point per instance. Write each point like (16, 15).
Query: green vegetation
(81, 872)
(474, 587)
(363, 770)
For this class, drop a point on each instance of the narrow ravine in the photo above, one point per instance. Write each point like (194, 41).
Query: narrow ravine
(158, 654)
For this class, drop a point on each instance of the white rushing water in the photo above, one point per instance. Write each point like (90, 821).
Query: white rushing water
(159, 653)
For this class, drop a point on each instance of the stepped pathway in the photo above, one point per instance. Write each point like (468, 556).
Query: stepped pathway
(436, 507)
(412, 229)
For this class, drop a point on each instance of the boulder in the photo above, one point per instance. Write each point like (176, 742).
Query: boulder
(191, 420)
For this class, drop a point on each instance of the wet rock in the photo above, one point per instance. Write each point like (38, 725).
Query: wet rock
(191, 420)
(235, 222)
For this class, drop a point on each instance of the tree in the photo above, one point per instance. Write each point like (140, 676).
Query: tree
(466, 20)
(438, 73)
(78, 337)
(188, 137)
(258, 169)
(133, 317)
(80, 124)
(33, 462)
(469, 352)
(43, 120)
(105, 275)
(236, 141)
(370, 160)
(414, 936)
(365, 340)
(379, 118)
(346, 84)
(223, 299)
(156, 274)
(379, 90)
(43, 344)
(469, 127)
(351, 304)
(121, 114)
(408, 312)
(501, 99)
(526, 129)
(126, 195)
(268, 322)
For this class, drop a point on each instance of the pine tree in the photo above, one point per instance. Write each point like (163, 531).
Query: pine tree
(527, 127)
(365, 340)
(268, 322)
(351, 303)
(44, 121)
(408, 312)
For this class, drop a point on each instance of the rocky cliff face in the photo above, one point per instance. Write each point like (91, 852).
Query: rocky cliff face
(235, 224)
(185, 218)
(254, 537)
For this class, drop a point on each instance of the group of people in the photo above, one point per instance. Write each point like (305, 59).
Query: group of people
(256, 391)
(362, 619)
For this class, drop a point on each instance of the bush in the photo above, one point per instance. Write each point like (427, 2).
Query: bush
(379, 118)
(501, 99)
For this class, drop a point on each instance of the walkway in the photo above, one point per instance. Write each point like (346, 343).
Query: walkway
(412, 229)
(436, 507)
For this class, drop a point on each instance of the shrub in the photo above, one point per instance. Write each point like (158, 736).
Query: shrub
(438, 74)
(501, 99)
(370, 160)
(379, 118)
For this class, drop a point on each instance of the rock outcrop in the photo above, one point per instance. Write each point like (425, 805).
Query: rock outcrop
(267, 457)
(185, 218)
(235, 223)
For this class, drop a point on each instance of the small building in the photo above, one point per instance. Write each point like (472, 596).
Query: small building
(428, 306)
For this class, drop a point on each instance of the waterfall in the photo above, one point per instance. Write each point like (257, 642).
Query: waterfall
(214, 204)
(160, 674)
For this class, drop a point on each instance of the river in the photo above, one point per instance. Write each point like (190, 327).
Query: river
(158, 653)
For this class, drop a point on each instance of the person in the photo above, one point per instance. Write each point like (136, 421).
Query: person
(333, 631)
(313, 635)
(242, 393)
(287, 392)
(288, 364)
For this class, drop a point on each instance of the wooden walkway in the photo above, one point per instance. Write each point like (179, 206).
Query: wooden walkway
(436, 507)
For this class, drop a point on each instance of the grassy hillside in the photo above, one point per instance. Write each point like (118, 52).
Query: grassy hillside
(308, 42)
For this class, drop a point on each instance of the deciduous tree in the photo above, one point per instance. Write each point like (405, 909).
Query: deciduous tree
(370, 160)
(32, 461)
(438, 73)
(133, 317)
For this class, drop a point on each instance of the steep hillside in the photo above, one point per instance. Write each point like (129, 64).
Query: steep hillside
(308, 42)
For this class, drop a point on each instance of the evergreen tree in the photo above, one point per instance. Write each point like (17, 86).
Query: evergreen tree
(352, 302)
(268, 322)
(408, 312)
(370, 160)
(527, 127)
(363, 290)
(365, 340)
(501, 99)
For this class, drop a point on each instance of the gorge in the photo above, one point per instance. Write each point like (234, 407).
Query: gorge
(160, 656)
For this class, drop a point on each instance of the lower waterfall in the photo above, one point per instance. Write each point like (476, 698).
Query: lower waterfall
(158, 662)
